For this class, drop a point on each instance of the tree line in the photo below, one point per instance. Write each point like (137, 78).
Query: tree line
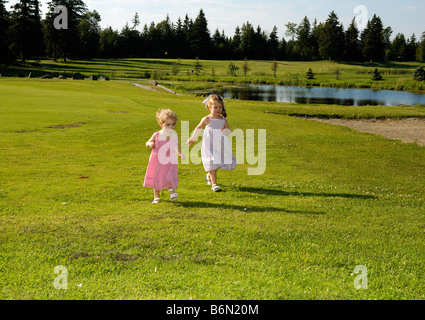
(24, 35)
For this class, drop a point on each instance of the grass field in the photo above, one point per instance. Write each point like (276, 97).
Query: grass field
(73, 159)
(396, 75)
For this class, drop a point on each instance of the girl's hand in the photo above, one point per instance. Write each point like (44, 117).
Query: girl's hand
(190, 142)
(226, 131)
(182, 156)
(150, 144)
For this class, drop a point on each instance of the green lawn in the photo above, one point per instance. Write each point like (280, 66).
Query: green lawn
(396, 75)
(73, 159)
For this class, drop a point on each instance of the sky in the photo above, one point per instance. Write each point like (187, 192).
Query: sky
(405, 17)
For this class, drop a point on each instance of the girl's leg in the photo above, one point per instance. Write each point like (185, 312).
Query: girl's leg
(156, 193)
(156, 196)
(213, 177)
(215, 187)
(173, 194)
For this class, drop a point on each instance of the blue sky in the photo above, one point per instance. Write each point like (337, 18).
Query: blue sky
(405, 17)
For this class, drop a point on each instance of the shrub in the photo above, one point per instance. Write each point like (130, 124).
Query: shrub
(309, 75)
(233, 69)
(419, 74)
(376, 75)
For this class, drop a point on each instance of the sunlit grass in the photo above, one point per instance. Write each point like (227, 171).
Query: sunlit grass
(73, 160)
(396, 75)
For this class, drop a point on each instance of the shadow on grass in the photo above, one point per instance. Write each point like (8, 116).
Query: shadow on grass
(276, 192)
(248, 208)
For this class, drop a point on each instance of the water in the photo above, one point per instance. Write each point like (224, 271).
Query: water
(321, 95)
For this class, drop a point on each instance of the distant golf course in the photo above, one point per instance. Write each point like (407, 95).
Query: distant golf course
(73, 159)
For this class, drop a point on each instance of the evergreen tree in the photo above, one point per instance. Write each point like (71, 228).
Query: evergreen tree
(200, 43)
(4, 26)
(303, 46)
(331, 40)
(282, 55)
(64, 43)
(108, 43)
(180, 39)
(26, 40)
(186, 37)
(372, 39)
(90, 34)
(165, 38)
(398, 48)
(236, 43)
(388, 31)
(315, 37)
(247, 40)
(376, 75)
(135, 21)
(273, 44)
(419, 74)
(220, 45)
(420, 51)
(411, 47)
(260, 48)
(352, 50)
(309, 74)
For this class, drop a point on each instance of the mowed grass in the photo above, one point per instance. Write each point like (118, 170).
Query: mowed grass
(213, 73)
(73, 159)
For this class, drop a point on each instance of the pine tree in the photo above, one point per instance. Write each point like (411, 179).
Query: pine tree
(135, 21)
(90, 34)
(26, 41)
(376, 75)
(64, 43)
(4, 26)
(398, 48)
(309, 75)
(247, 40)
(420, 51)
(108, 43)
(411, 47)
(236, 43)
(331, 40)
(419, 74)
(352, 48)
(273, 44)
(200, 36)
(303, 47)
(372, 39)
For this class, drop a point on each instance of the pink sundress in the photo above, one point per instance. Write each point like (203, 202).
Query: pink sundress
(161, 172)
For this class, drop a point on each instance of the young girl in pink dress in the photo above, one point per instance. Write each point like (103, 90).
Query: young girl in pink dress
(162, 168)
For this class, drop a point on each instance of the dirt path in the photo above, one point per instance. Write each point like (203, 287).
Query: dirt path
(406, 130)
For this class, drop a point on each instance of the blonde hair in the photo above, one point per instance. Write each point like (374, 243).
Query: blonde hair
(163, 114)
(213, 98)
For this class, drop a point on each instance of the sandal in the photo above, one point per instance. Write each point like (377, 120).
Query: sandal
(156, 200)
(173, 196)
(208, 180)
(215, 188)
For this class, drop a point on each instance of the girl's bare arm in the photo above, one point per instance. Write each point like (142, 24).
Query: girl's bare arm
(226, 129)
(198, 129)
(151, 142)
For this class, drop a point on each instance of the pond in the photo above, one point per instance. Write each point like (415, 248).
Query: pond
(322, 95)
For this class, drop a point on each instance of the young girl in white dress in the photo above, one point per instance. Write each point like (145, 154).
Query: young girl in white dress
(216, 150)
